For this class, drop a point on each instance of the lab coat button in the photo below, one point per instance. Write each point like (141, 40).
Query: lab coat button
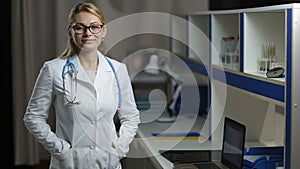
(93, 122)
(91, 147)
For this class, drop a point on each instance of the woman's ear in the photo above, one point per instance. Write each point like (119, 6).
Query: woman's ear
(70, 34)
(104, 31)
(69, 29)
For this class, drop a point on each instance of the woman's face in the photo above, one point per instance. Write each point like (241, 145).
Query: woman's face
(87, 31)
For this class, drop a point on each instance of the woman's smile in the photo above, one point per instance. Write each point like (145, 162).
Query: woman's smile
(88, 41)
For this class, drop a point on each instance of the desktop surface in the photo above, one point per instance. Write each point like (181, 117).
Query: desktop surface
(207, 165)
(191, 156)
(232, 150)
(153, 148)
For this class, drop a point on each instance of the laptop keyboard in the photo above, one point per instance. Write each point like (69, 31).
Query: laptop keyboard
(207, 166)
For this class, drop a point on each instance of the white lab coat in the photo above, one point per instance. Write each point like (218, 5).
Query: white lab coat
(85, 136)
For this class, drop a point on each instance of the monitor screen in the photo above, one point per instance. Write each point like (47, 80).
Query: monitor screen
(233, 143)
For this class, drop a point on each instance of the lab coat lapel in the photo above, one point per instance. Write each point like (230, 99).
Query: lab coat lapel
(103, 66)
(102, 81)
(104, 71)
(81, 76)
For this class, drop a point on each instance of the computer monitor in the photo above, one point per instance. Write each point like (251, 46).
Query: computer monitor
(233, 143)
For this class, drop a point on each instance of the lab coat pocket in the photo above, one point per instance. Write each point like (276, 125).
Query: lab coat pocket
(114, 161)
(115, 149)
(65, 159)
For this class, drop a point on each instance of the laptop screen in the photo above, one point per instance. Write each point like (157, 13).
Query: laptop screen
(233, 144)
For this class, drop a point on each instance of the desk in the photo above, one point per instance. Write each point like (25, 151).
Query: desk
(148, 148)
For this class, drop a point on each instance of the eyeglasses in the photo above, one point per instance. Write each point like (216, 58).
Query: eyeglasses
(81, 29)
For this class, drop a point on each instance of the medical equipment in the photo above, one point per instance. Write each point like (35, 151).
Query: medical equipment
(70, 68)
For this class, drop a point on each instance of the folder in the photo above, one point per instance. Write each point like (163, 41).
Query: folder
(177, 136)
(263, 157)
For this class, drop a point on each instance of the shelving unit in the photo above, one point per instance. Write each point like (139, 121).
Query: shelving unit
(198, 38)
(263, 27)
(224, 26)
(254, 27)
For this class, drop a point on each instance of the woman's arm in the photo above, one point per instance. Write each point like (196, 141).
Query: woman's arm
(37, 112)
(128, 114)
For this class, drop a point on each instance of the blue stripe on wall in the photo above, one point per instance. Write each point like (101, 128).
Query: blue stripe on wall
(267, 89)
(197, 67)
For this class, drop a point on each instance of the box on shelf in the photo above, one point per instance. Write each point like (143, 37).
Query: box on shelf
(264, 64)
(230, 60)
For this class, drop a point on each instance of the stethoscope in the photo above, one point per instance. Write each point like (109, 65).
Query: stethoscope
(70, 68)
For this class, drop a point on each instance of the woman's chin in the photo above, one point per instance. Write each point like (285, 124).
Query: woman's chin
(88, 47)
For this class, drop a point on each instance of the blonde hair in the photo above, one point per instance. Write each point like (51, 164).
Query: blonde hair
(71, 48)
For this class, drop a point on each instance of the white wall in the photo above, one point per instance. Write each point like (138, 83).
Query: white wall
(264, 118)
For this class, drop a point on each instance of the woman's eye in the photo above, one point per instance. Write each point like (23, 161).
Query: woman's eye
(95, 27)
(78, 27)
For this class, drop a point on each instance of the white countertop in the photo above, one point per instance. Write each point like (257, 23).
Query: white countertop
(152, 146)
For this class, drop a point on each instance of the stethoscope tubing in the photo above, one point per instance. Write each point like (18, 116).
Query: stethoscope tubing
(70, 67)
(118, 82)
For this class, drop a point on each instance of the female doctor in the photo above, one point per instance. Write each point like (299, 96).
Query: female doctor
(86, 89)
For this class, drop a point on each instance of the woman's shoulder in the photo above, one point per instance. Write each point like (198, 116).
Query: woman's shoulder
(54, 65)
(55, 61)
(118, 66)
(113, 61)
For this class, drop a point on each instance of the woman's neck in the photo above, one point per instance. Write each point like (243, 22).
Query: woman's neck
(89, 61)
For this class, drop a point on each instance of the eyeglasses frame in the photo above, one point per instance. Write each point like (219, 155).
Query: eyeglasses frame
(87, 28)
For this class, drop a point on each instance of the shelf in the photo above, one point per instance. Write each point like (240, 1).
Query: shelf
(263, 143)
(263, 75)
(225, 36)
(261, 86)
(198, 38)
(261, 30)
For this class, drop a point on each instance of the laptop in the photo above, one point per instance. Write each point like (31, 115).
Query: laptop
(232, 154)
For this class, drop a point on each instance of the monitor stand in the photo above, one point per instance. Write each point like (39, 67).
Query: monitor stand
(171, 108)
(166, 119)
(170, 118)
